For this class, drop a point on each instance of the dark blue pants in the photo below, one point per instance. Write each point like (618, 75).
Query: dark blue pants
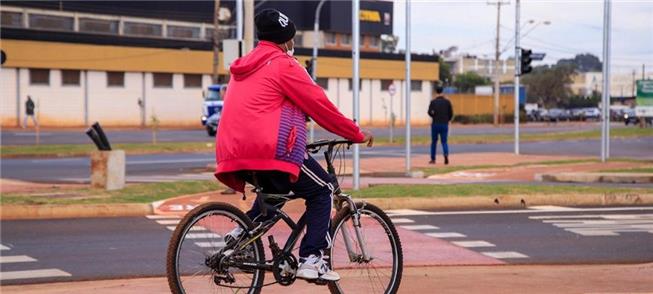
(441, 130)
(315, 186)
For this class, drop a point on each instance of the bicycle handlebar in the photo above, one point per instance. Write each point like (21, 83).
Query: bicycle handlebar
(317, 145)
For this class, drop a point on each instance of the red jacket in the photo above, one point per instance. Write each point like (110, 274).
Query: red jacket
(263, 123)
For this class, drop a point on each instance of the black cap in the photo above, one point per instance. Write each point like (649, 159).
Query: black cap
(274, 26)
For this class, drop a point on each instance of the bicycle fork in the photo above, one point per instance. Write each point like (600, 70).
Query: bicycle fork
(353, 256)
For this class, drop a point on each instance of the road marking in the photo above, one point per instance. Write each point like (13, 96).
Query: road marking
(161, 216)
(399, 212)
(172, 228)
(420, 227)
(32, 274)
(504, 254)
(16, 258)
(606, 216)
(202, 236)
(402, 220)
(600, 225)
(168, 222)
(473, 244)
(553, 207)
(210, 244)
(3, 247)
(406, 212)
(446, 235)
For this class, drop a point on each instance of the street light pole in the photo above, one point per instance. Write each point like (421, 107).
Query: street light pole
(316, 31)
(517, 73)
(605, 99)
(408, 89)
(355, 16)
(497, 76)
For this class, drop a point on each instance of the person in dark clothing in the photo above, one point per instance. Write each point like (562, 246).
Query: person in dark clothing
(441, 112)
(29, 112)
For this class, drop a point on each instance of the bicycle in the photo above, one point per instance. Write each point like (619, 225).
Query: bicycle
(366, 249)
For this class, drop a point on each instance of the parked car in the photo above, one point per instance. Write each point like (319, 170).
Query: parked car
(592, 113)
(630, 117)
(556, 115)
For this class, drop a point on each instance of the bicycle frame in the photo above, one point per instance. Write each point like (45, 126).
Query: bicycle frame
(340, 200)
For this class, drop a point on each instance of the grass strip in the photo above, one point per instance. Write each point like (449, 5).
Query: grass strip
(467, 190)
(70, 150)
(134, 193)
(643, 170)
(449, 169)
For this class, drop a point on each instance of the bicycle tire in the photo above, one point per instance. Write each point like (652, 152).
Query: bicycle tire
(191, 218)
(365, 208)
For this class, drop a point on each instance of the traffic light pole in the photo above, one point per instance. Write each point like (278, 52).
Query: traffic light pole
(517, 73)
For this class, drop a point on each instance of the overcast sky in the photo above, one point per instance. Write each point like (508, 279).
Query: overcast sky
(576, 27)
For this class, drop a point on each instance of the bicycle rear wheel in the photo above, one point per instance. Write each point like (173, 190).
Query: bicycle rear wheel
(200, 238)
(381, 272)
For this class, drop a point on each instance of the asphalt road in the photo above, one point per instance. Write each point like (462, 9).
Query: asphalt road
(77, 136)
(170, 167)
(105, 248)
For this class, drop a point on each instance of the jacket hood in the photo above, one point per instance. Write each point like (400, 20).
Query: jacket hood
(250, 63)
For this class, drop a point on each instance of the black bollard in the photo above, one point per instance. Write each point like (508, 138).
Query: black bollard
(103, 138)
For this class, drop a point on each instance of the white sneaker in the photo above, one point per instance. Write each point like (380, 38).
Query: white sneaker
(314, 267)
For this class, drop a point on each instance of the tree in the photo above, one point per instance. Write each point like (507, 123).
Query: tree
(466, 82)
(548, 86)
(582, 62)
(445, 72)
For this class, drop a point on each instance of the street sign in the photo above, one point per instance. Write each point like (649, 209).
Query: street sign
(537, 56)
(392, 90)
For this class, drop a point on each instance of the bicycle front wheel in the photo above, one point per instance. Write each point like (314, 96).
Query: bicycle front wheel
(199, 244)
(379, 269)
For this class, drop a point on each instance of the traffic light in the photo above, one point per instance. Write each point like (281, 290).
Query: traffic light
(526, 61)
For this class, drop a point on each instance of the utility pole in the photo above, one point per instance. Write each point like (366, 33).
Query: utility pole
(248, 26)
(517, 73)
(408, 89)
(497, 53)
(216, 41)
(643, 71)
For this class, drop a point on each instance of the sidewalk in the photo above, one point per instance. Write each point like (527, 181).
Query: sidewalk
(441, 279)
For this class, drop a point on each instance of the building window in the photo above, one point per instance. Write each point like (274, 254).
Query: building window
(51, 22)
(162, 80)
(351, 84)
(385, 84)
(299, 40)
(39, 76)
(415, 86)
(12, 19)
(115, 79)
(69, 77)
(345, 39)
(183, 32)
(330, 38)
(142, 29)
(323, 82)
(374, 41)
(192, 81)
(92, 25)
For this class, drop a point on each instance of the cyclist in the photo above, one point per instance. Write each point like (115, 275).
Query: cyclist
(263, 129)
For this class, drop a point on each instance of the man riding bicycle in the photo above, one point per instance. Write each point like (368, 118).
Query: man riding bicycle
(263, 130)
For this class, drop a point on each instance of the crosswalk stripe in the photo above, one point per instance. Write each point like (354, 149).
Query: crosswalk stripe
(446, 235)
(553, 207)
(172, 228)
(3, 247)
(210, 244)
(162, 216)
(202, 236)
(32, 274)
(402, 220)
(473, 244)
(16, 258)
(168, 222)
(420, 227)
(505, 254)
(399, 212)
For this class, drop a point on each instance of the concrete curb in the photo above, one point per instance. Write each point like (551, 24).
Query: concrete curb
(621, 178)
(20, 212)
